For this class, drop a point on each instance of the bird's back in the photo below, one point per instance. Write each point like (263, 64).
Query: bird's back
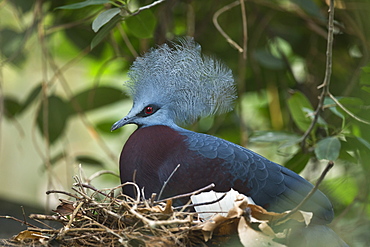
(155, 151)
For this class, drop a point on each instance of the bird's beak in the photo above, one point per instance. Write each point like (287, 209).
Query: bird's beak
(120, 123)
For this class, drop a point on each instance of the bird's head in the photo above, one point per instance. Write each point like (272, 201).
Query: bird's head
(177, 85)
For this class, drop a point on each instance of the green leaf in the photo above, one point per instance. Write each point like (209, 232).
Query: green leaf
(364, 142)
(360, 147)
(58, 112)
(328, 148)
(365, 76)
(330, 104)
(310, 7)
(346, 156)
(22, 5)
(365, 79)
(298, 162)
(351, 103)
(104, 31)
(267, 60)
(366, 88)
(142, 25)
(297, 104)
(12, 44)
(31, 97)
(88, 160)
(344, 187)
(54, 159)
(94, 98)
(11, 107)
(83, 4)
(311, 114)
(106, 126)
(104, 17)
(273, 136)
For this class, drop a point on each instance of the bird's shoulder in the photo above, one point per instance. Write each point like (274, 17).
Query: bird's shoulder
(244, 164)
(214, 147)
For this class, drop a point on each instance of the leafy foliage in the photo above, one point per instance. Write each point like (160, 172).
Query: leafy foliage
(284, 65)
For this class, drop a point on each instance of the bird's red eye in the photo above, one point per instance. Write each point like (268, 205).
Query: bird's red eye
(148, 110)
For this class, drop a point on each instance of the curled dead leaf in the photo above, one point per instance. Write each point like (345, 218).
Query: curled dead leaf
(252, 238)
(300, 216)
(65, 208)
(29, 235)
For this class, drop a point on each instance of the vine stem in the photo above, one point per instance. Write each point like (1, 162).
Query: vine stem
(328, 70)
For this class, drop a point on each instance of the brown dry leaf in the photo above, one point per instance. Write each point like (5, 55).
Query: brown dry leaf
(210, 225)
(260, 213)
(166, 209)
(303, 216)
(241, 203)
(29, 235)
(300, 216)
(252, 238)
(227, 228)
(220, 225)
(65, 208)
(266, 229)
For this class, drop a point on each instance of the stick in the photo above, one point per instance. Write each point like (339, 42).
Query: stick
(21, 221)
(189, 194)
(166, 182)
(203, 203)
(62, 192)
(99, 173)
(308, 196)
(325, 85)
(219, 28)
(147, 7)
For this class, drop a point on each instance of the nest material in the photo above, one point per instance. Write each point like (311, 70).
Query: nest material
(92, 217)
(99, 218)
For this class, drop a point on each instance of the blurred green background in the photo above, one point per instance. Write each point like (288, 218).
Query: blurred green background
(61, 90)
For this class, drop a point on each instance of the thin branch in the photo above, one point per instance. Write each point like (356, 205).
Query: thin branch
(219, 28)
(69, 224)
(147, 7)
(345, 211)
(68, 25)
(70, 230)
(308, 196)
(346, 110)
(107, 229)
(156, 223)
(21, 221)
(47, 217)
(166, 182)
(203, 203)
(64, 83)
(98, 174)
(328, 70)
(208, 187)
(94, 189)
(25, 38)
(45, 90)
(61, 192)
(127, 40)
(242, 75)
(245, 29)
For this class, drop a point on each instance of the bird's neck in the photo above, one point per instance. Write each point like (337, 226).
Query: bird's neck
(171, 125)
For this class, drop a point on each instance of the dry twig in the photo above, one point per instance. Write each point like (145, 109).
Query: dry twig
(325, 85)
(308, 196)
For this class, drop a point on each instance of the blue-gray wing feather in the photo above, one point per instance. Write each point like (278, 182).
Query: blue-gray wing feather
(268, 183)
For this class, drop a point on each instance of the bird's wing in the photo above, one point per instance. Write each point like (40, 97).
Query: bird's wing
(269, 184)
